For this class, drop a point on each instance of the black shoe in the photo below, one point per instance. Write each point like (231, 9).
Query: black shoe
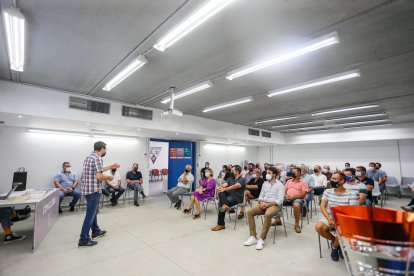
(112, 201)
(115, 201)
(72, 208)
(240, 216)
(178, 204)
(19, 217)
(334, 253)
(136, 203)
(88, 243)
(100, 234)
(232, 211)
(143, 195)
(60, 211)
(13, 237)
(407, 208)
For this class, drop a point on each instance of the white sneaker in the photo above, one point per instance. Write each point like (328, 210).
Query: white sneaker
(260, 244)
(250, 241)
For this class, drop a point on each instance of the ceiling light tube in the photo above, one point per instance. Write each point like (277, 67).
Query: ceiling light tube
(131, 68)
(364, 122)
(193, 21)
(295, 124)
(228, 104)
(379, 125)
(275, 120)
(312, 127)
(345, 109)
(14, 24)
(57, 132)
(194, 89)
(356, 117)
(114, 137)
(311, 46)
(314, 83)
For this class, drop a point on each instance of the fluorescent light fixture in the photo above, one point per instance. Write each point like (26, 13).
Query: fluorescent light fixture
(194, 89)
(275, 119)
(308, 128)
(311, 46)
(223, 147)
(114, 137)
(228, 104)
(356, 117)
(295, 124)
(364, 122)
(131, 68)
(193, 21)
(14, 25)
(345, 109)
(57, 132)
(379, 125)
(317, 82)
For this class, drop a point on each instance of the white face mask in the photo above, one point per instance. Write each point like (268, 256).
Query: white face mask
(207, 174)
(268, 176)
(68, 169)
(324, 170)
(253, 176)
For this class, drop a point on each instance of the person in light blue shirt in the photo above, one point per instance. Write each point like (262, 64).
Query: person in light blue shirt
(67, 182)
(311, 184)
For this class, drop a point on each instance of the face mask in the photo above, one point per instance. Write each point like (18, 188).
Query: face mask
(358, 174)
(290, 174)
(371, 168)
(325, 170)
(334, 184)
(346, 166)
(250, 169)
(187, 171)
(207, 174)
(348, 178)
(135, 169)
(253, 176)
(113, 170)
(103, 154)
(315, 170)
(68, 169)
(268, 177)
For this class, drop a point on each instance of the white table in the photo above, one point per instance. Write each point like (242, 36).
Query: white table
(46, 205)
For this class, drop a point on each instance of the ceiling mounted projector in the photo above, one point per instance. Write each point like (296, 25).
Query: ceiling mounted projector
(171, 110)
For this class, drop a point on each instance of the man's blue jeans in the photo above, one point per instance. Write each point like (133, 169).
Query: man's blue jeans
(116, 194)
(75, 194)
(90, 222)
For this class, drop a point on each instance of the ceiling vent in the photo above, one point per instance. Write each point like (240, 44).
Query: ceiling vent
(138, 113)
(266, 134)
(88, 105)
(254, 132)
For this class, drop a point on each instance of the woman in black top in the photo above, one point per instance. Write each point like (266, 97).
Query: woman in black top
(253, 189)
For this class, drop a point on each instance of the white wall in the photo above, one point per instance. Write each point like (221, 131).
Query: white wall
(218, 155)
(43, 154)
(356, 153)
(162, 160)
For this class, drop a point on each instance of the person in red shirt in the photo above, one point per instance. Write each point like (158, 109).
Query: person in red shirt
(295, 192)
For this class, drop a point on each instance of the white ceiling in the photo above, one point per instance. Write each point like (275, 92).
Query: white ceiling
(77, 46)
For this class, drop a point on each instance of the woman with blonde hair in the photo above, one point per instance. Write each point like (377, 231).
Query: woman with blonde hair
(204, 192)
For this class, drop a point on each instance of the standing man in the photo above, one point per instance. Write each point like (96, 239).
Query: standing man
(92, 177)
(134, 182)
(67, 182)
(183, 186)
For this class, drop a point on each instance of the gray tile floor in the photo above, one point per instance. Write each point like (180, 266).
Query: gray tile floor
(154, 239)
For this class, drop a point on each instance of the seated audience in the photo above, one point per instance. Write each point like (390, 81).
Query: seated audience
(264, 172)
(185, 181)
(282, 173)
(311, 184)
(320, 181)
(204, 192)
(270, 202)
(67, 182)
(230, 194)
(6, 213)
(244, 171)
(361, 176)
(352, 184)
(334, 197)
(113, 187)
(253, 189)
(410, 206)
(134, 182)
(258, 167)
(295, 192)
(326, 170)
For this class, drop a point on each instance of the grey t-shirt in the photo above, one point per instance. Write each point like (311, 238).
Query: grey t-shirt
(239, 193)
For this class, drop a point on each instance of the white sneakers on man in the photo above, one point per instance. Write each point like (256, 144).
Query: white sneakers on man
(260, 244)
(250, 241)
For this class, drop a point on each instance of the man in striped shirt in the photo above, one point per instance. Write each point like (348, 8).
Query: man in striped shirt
(92, 177)
(334, 197)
